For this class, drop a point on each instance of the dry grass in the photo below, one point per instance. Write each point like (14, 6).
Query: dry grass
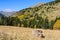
(20, 33)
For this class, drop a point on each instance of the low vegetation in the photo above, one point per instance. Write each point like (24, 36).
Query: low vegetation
(20, 33)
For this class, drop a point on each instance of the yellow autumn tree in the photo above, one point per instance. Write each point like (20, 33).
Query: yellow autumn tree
(21, 17)
(57, 25)
(34, 26)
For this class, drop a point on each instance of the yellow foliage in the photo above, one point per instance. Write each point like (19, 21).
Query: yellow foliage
(19, 25)
(26, 14)
(21, 17)
(32, 18)
(57, 25)
(22, 25)
(34, 26)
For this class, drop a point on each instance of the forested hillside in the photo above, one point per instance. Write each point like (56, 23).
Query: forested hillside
(42, 16)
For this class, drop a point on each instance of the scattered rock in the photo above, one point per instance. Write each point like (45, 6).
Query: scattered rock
(38, 33)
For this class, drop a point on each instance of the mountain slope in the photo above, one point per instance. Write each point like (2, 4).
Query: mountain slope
(1, 15)
(51, 10)
(5, 13)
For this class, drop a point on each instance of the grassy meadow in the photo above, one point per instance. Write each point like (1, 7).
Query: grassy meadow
(20, 33)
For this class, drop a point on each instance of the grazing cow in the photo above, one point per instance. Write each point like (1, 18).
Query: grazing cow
(38, 33)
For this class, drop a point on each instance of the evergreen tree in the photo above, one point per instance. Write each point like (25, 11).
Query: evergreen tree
(51, 24)
(46, 23)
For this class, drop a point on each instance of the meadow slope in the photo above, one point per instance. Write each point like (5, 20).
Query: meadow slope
(20, 33)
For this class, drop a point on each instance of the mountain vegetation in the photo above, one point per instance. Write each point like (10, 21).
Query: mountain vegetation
(42, 16)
